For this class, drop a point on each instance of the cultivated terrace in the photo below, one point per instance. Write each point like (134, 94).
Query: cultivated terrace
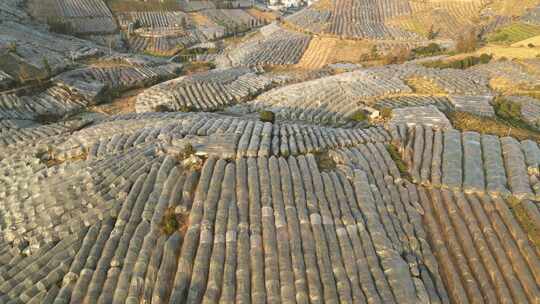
(328, 151)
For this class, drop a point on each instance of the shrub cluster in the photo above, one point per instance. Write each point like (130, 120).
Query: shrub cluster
(429, 50)
(57, 25)
(507, 109)
(267, 116)
(460, 64)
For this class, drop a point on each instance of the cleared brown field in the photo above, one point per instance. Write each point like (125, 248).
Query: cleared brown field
(327, 50)
(510, 52)
(201, 19)
(534, 41)
(261, 15)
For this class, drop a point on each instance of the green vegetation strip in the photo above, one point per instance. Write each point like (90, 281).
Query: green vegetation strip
(513, 33)
(401, 165)
(525, 221)
(487, 125)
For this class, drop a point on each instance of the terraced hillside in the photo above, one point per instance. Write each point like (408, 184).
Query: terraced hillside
(166, 33)
(205, 91)
(274, 46)
(336, 99)
(403, 19)
(303, 169)
(261, 215)
(84, 17)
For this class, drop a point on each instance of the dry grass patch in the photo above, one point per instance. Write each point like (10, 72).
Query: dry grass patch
(529, 43)
(121, 105)
(327, 50)
(172, 222)
(50, 160)
(506, 86)
(420, 85)
(194, 67)
(323, 5)
(350, 51)
(411, 24)
(317, 54)
(503, 85)
(201, 19)
(486, 125)
(449, 18)
(510, 52)
(141, 6)
(324, 161)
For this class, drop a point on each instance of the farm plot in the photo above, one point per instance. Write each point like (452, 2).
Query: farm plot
(471, 162)
(499, 265)
(422, 115)
(329, 100)
(204, 92)
(365, 19)
(449, 19)
(160, 19)
(336, 99)
(318, 53)
(529, 109)
(83, 8)
(494, 24)
(272, 208)
(191, 258)
(6, 80)
(514, 73)
(34, 47)
(162, 33)
(201, 19)
(479, 105)
(20, 132)
(10, 10)
(251, 138)
(124, 142)
(197, 5)
(450, 81)
(530, 42)
(262, 15)
(309, 19)
(84, 16)
(74, 90)
(354, 19)
(440, 102)
(235, 219)
(166, 44)
(325, 50)
(54, 102)
(117, 78)
(234, 20)
(532, 16)
(514, 33)
(509, 7)
(281, 47)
